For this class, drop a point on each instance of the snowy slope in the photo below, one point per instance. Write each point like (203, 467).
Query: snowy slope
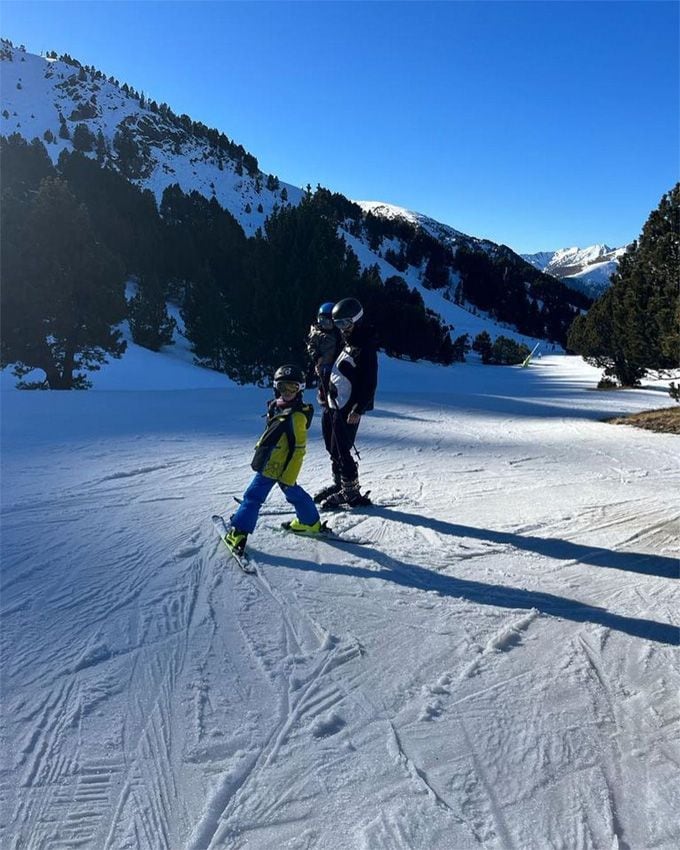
(465, 319)
(496, 670)
(587, 269)
(35, 91)
(443, 232)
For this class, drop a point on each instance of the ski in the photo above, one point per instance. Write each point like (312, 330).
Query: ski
(241, 559)
(326, 534)
(283, 510)
(357, 508)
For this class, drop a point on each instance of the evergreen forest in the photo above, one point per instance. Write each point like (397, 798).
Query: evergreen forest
(74, 234)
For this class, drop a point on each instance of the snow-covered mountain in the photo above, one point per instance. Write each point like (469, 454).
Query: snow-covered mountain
(40, 96)
(587, 269)
(444, 233)
(69, 106)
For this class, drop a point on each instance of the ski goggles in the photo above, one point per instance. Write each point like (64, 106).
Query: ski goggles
(343, 324)
(288, 387)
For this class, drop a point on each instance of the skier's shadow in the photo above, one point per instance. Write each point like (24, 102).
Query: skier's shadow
(411, 575)
(563, 550)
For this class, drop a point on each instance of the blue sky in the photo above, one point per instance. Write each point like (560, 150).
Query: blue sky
(540, 125)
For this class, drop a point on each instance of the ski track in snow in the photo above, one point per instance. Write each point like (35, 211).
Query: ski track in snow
(495, 670)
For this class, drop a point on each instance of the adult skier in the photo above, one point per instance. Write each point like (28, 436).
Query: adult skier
(277, 460)
(323, 346)
(351, 391)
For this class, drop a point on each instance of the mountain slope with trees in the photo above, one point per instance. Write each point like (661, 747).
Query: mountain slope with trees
(191, 218)
(635, 326)
(246, 303)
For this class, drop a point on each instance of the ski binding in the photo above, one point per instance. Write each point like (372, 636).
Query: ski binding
(326, 534)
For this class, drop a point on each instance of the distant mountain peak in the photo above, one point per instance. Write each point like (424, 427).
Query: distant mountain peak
(586, 269)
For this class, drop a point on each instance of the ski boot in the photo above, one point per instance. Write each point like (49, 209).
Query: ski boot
(331, 490)
(349, 496)
(298, 527)
(236, 540)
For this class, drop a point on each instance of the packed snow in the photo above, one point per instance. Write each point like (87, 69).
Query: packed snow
(496, 669)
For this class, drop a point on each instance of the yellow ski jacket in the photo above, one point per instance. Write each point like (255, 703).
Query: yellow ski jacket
(281, 449)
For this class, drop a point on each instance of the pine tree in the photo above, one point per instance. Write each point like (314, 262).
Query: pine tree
(150, 324)
(127, 149)
(635, 326)
(23, 165)
(508, 352)
(100, 147)
(483, 346)
(62, 292)
(83, 139)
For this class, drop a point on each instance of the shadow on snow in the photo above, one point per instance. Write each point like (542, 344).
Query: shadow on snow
(564, 550)
(411, 575)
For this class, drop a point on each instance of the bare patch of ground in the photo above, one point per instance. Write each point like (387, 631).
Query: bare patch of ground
(665, 421)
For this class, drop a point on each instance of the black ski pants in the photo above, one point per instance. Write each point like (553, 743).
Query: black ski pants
(339, 438)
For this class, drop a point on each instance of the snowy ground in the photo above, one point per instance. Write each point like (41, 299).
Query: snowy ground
(498, 670)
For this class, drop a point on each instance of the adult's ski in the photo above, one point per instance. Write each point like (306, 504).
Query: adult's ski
(240, 557)
(288, 509)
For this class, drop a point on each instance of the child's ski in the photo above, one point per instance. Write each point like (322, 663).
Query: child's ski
(240, 558)
(326, 534)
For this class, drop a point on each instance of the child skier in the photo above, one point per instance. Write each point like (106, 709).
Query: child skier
(278, 458)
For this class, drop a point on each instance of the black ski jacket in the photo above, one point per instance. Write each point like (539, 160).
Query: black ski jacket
(354, 376)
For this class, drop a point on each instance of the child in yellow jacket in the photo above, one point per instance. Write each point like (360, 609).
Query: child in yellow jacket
(278, 459)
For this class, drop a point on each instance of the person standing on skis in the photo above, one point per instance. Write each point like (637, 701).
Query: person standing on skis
(277, 460)
(351, 392)
(323, 346)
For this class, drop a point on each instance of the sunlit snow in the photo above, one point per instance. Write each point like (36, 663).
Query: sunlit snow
(497, 669)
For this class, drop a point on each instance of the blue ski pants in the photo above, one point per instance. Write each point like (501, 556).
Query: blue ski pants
(245, 518)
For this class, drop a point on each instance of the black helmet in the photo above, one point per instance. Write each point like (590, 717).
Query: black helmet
(289, 374)
(347, 313)
(324, 317)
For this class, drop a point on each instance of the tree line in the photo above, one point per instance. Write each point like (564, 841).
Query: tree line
(635, 326)
(73, 235)
(491, 278)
